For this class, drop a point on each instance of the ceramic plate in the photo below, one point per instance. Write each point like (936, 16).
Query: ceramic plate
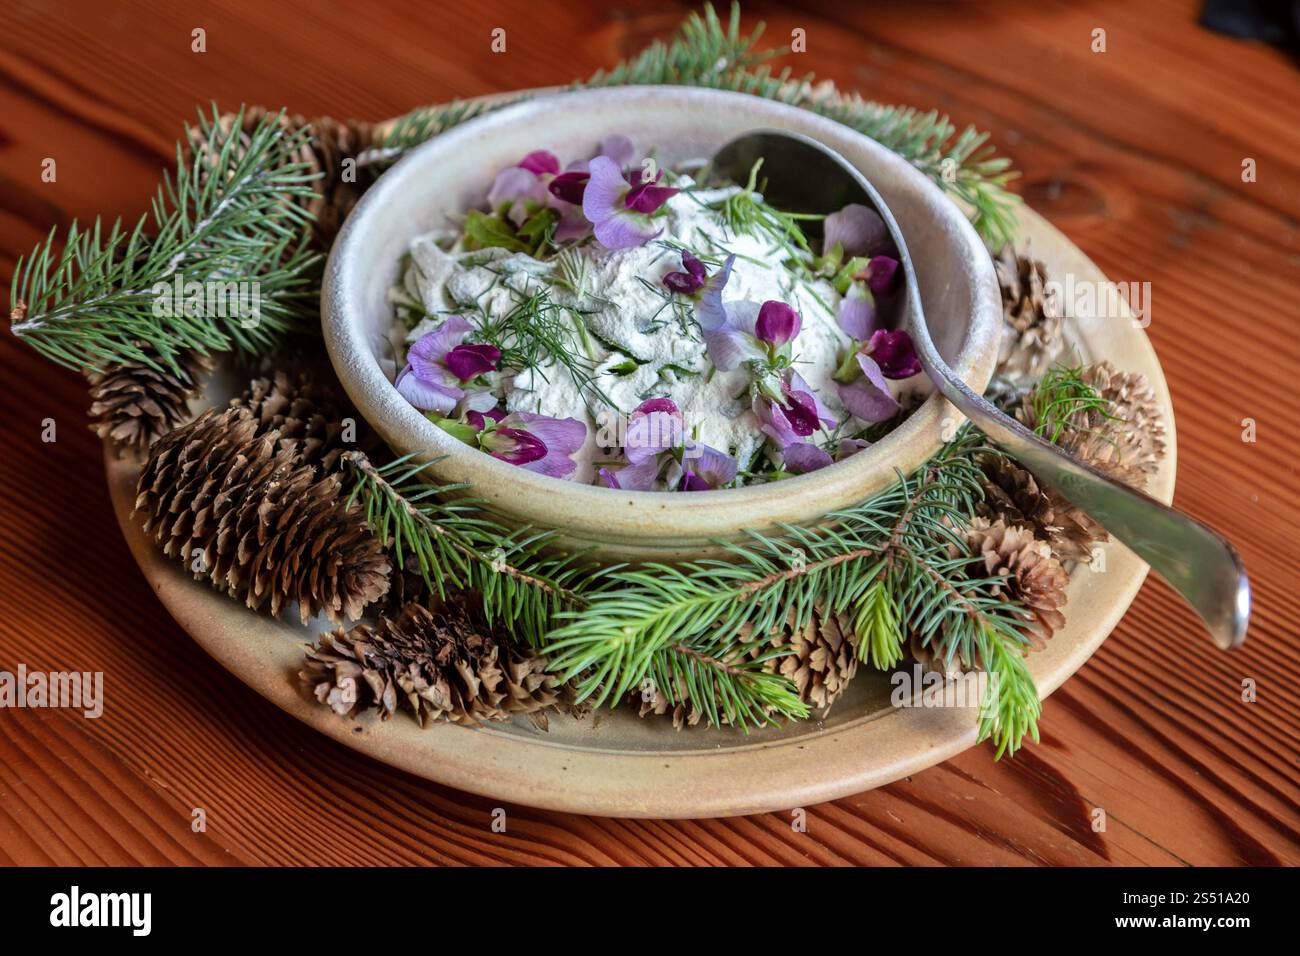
(617, 764)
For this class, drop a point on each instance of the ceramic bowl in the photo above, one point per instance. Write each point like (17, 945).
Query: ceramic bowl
(453, 172)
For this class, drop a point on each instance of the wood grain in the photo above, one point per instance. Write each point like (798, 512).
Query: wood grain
(1136, 153)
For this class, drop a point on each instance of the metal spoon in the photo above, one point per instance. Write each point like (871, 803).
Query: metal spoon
(802, 175)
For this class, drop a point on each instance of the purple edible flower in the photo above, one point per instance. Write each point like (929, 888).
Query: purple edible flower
(540, 162)
(788, 421)
(618, 148)
(856, 313)
(848, 447)
(858, 230)
(619, 211)
(887, 355)
(646, 195)
(880, 273)
(738, 331)
(803, 457)
(690, 280)
(438, 367)
(777, 323)
(534, 442)
(705, 468)
(569, 186)
(894, 353)
(655, 439)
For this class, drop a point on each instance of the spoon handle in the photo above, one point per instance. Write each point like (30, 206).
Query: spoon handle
(1196, 561)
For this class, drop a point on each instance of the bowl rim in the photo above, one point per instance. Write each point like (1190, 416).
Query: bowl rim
(615, 514)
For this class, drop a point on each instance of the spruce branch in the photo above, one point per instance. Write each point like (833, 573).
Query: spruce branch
(456, 546)
(707, 52)
(225, 219)
(726, 680)
(896, 547)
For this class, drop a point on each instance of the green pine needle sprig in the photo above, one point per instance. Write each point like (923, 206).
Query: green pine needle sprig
(1061, 399)
(457, 546)
(710, 53)
(227, 217)
(636, 625)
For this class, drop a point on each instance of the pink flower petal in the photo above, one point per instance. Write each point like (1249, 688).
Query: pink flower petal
(856, 313)
(640, 476)
(605, 190)
(618, 148)
(856, 229)
(540, 161)
(563, 437)
(774, 423)
(647, 198)
(709, 310)
(657, 405)
(869, 397)
(881, 273)
(426, 355)
(514, 445)
(803, 457)
(651, 433)
(569, 187)
(623, 232)
(706, 468)
(469, 361)
(777, 323)
(428, 396)
(894, 353)
(795, 385)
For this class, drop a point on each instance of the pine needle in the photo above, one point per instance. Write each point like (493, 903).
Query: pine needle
(226, 220)
(709, 53)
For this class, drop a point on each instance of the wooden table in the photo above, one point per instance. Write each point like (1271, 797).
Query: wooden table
(1135, 152)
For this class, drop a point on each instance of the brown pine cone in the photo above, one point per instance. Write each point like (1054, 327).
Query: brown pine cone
(133, 404)
(1032, 319)
(1013, 494)
(304, 412)
(933, 656)
(240, 508)
(1128, 445)
(440, 664)
(1028, 571)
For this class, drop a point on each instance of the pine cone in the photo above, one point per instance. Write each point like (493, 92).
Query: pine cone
(820, 660)
(240, 507)
(308, 414)
(1127, 446)
(324, 150)
(133, 404)
(934, 658)
(1032, 319)
(1013, 495)
(443, 664)
(1029, 571)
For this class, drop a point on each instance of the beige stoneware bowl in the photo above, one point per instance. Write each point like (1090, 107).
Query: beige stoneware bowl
(453, 172)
